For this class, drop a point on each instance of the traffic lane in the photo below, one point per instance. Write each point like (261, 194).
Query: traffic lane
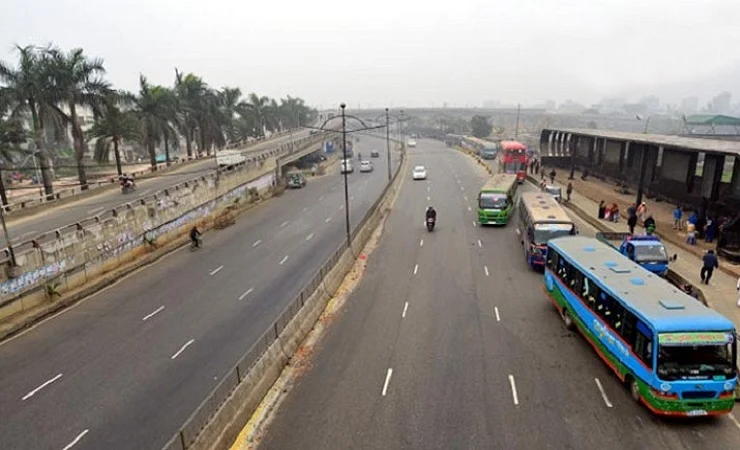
(578, 414)
(57, 217)
(188, 291)
(347, 374)
(445, 392)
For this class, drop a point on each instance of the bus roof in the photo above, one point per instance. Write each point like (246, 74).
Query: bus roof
(513, 145)
(482, 142)
(649, 296)
(544, 208)
(500, 182)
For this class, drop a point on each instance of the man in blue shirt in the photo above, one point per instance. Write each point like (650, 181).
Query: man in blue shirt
(710, 263)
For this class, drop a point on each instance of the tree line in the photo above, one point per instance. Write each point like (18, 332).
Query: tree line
(41, 97)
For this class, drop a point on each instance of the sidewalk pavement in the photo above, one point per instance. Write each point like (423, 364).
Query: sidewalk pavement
(721, 293)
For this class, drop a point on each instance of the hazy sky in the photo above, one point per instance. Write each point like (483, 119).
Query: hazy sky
(400, 52)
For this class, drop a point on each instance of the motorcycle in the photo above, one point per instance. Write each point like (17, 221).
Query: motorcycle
(430, 224)
(127, 187)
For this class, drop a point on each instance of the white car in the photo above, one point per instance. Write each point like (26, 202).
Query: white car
(366, 166)
(420, 173)
(412, 143)
(346, 167)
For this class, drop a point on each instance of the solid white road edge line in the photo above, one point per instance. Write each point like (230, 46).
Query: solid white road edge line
(152, 314)
(182, 349)
(241, 297)
(387, 381)
(46, 383)
(513, 390)
(76, 440)
(603, 393)
(216, 270)
(405, 307)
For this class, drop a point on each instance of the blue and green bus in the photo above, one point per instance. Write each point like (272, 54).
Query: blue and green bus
(676, 356)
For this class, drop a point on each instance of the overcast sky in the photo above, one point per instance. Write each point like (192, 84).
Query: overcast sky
(400, 52)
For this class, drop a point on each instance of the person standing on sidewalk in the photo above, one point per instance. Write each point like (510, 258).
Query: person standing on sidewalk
(677, 216)
(710, 263)
(632, 217)
(642, 212)
(552, 176)
(602, 210)
(569, 190)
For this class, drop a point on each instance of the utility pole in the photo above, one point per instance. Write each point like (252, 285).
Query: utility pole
(518, 112)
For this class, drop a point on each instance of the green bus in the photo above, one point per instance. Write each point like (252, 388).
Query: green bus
(496, 199)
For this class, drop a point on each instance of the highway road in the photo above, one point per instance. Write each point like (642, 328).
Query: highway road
(130, 364)
(448, 342)
(54, 217)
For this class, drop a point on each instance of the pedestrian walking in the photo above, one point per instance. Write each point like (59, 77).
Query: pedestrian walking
(710, 263)
(552, 176)
(632, 217)
(569, 190)
(677, 216)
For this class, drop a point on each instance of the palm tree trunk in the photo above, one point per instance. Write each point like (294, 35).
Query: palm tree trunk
(203, 144)
(152, 155)
(118, 156)
(167, 148)
(79, 146)
(188, 143)
(3, 194)
(38, 125)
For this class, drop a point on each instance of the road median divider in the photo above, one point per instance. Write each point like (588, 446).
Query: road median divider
(61, 267)
(217, 421)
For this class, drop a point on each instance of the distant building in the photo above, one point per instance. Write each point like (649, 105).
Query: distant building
(689, 105)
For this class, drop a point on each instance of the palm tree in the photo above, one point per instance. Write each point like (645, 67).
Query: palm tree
(30, 92)
(189, 90)
(259, 110)
(12, 135)
(152, 108)
(231, 106)
(112, 126)
(77, 82)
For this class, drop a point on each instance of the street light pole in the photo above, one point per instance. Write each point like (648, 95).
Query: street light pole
(388, 142)
(7, 237)
(346, 188)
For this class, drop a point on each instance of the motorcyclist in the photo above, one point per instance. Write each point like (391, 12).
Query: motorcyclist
(431, 213)
(195, 236)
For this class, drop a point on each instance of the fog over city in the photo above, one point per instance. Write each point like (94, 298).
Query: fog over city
(408, 53)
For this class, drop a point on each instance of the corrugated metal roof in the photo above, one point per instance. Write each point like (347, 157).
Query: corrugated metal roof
(677, 142)
(712, 119)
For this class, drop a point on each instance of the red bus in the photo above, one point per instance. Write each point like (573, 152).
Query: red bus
(513, 159)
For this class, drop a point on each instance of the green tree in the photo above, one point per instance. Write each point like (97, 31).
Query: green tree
(480, 126)
(77, 83)
(29, 93)
(189, 90)
(259, 107)
(113, 126)
(12, 135)
(153, 104)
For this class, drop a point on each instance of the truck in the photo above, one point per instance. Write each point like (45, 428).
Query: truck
(229, 157)
(646, 250)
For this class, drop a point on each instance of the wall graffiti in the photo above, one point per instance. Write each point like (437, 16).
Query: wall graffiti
(32, 278)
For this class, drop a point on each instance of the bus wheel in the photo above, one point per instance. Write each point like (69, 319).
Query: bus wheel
(634, 389)
(567, 319)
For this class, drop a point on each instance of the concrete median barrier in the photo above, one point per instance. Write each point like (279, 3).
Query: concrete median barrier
(229, 411)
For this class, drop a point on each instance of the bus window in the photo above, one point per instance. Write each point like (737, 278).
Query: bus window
(644, 348)
(577, 283)
(628, 328)
(552, 260)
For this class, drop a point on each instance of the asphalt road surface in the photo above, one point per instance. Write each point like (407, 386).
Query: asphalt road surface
(131, 363)
(449, 342)
(54, 217)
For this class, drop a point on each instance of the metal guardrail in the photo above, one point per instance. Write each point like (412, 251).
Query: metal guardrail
(198, 420)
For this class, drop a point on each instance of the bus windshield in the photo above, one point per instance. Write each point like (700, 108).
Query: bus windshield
(650, 253)
(696, 362)
(493, 201)
(543, 232)
(513, 167)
